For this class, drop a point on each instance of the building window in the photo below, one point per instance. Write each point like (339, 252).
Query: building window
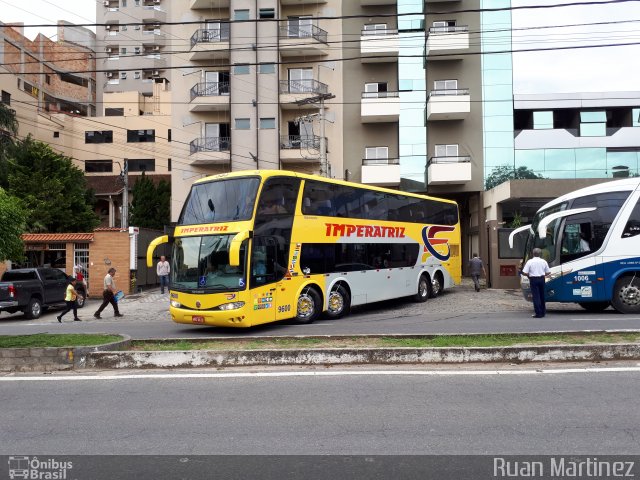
(138, 136)
(372, 153)
(446, 150)
(593, 124)
(267, 123)
(141, 165)
(267, 68)
(47, 79)
(136, 50)
(241, 14)
(241, 69)
(267, 13)
(123, 75)
(123, 51)
(114, 112)
(635, 119)
(445, 85)
(243, 123)
(443, 26)
(375, 90)
(6, 98)
(124, 3)
(56, 134)
(104, 136)
(137, 3)
(98, 166)
(168, 164)
(542, 120)
(136, 75)
(374, 29)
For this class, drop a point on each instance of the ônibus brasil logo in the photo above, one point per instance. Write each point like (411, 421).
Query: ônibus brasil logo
(431, 241)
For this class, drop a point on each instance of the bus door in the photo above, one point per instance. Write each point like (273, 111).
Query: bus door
(581, 270)
(263, 279)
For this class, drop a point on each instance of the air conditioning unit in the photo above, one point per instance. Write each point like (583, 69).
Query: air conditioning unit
(108, 49)
(106, 3)
(157, 2)
(109, 74)
(156, 48)
(156, 73)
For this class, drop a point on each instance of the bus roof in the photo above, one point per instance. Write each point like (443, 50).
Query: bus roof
(288, 173)
(627, 184)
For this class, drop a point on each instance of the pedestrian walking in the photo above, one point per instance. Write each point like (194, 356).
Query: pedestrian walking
(536, 269)
(108, 294)
(70, 297)
(476, 269)
(163, 269)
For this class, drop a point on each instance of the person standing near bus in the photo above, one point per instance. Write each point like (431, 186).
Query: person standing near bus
(537, 269)
(476, 268)
(163, 269)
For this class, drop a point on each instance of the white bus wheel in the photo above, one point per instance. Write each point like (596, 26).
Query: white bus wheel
(424, 289)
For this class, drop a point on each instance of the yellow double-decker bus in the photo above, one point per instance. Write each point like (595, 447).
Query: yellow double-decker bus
(254, 247)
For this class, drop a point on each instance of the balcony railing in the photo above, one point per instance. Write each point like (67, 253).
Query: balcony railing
(303, 86)
(381, 32)
(294, 142)
(210, 144)
(457, 159)
(452, 29)
(207, 35)
(449, 91)
(209, 89)
(380, 94)
(380, 161)
(304, 31)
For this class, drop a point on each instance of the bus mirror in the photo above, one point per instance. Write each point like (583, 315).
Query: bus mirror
(152, 247)
(515, 232)
(544, 223)
(234, 248)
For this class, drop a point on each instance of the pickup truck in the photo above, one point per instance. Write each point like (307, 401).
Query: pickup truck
(33, 290)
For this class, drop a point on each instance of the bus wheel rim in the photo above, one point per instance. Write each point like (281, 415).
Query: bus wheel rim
(336, 302)
(630, 295)
(305, 306)
(436, 286)
(423, 288)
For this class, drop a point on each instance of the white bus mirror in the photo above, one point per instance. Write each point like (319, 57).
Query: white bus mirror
(544, 223)
(515, 232)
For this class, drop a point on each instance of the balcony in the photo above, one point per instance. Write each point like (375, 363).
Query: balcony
(210, 44)
(153, 36)
(448, 104)
(379, 46)
(151, 13)
(302, 40)
(366, 3)
(292, 91)
(299, 148)
(210, 97)
(208, 4)
(380, 107)
(448, 170)
(210, 150)
(447, 43)
(381, 171)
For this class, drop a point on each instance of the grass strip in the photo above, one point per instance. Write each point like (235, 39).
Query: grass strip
(503, 340)
(41, 340)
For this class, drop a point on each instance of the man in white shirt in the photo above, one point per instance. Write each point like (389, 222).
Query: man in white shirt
(108, 295)
(163, 269)
(536, 269)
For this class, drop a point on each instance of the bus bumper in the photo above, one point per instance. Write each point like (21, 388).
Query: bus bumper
(230, 318)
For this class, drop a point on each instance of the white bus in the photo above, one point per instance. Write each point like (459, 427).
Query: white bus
(591, 240)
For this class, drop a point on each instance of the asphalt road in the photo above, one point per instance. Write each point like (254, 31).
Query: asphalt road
(460, 310)
(358, 411)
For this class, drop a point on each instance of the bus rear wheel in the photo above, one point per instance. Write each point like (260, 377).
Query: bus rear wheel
(626, 294)
(424, 289)
(436, 284)
(308, 306)
(594, 306)
(339, 302)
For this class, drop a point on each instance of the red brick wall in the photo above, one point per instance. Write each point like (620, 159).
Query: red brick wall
(109, 249)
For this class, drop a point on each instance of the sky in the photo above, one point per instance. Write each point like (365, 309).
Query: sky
(561, 71)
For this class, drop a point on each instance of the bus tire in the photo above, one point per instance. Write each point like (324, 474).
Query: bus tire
(424, 289)
(339, 302)
(308, 306)
(437, 284)
(626, 294)
(594, 306)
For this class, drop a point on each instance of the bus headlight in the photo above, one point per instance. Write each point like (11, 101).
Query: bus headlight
(175, 304)
(231, 306)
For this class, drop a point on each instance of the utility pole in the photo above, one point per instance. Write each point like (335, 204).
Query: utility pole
(125, 197)
(320, 98)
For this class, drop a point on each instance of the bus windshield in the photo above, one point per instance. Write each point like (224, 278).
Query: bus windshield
(226, 200)
(202, 263)
(547, 244)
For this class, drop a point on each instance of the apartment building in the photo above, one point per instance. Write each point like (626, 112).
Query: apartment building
(131, 46)
(58, 76)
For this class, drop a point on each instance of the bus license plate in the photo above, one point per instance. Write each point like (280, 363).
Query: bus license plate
(197, 319)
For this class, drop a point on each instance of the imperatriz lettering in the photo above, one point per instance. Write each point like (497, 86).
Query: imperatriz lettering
(344, 230)
(569, 467)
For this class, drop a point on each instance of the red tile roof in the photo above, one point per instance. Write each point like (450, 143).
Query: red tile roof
(57, 237)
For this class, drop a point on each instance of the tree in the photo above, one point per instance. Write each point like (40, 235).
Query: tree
(52, 189)
(8, 130)
(150, 206)
(506, 172)
(12, 221)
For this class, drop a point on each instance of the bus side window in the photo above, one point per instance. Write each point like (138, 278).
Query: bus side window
(632, 228)
(576, 239)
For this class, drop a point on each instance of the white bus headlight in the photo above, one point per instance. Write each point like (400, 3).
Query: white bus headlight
(231, 306)
(175, 304)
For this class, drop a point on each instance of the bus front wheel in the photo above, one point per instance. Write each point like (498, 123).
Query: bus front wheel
(626, 294)
(309, 306)
(424, 289)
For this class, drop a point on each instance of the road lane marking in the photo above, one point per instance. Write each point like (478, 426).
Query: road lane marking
(604, 319)
(346, 373)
